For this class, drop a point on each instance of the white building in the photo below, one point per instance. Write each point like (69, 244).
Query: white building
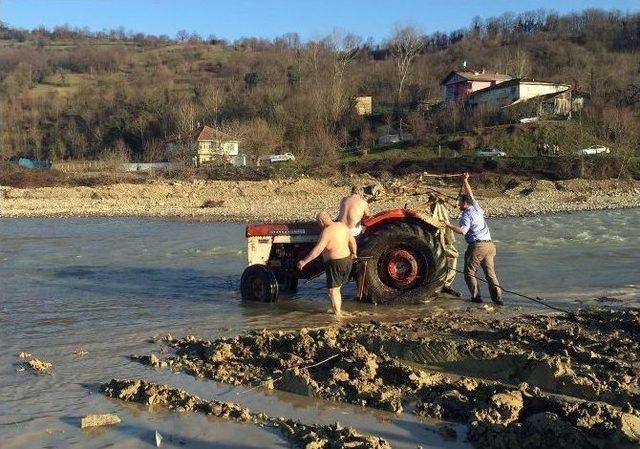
(207, 145)
(520, 90)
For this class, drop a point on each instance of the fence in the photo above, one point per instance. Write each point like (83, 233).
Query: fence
(84, 166)
(100, 166)
(146, 166)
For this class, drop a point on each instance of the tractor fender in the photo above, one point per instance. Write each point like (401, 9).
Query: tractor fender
(426, 220)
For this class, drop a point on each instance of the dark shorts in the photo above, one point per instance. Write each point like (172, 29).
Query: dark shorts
(338, 271)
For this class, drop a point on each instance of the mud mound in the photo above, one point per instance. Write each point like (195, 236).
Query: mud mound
(172, 398)
(592, 356)
(307, 436)
(34, 364)
(504, 417)
(324, 363)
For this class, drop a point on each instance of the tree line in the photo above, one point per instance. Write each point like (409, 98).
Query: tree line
(71, 93)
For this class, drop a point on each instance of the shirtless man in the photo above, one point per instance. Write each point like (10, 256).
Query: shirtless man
(338, 249)
(353, 209)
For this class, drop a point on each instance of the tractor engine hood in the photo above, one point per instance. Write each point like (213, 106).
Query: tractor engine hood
(311, 228)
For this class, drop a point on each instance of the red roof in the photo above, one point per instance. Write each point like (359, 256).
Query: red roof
(208, 133)
(202, 133)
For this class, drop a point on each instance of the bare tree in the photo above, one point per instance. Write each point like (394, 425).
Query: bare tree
(153, 150)
(182, 35)
(519, 63)
(260, 138)
(344, 48)
(185, 117)
(209, 97)
(405, 44)
(515, 62)
(326, 65)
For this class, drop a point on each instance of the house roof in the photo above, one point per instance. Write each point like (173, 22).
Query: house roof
(202, 133)
(206, 133)
(477, 76)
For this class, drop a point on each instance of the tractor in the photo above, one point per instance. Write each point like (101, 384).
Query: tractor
(401, 258)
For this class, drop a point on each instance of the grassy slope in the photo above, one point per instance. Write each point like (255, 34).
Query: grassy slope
(141, 57)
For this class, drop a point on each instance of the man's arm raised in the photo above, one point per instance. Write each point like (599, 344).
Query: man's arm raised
(466, 185)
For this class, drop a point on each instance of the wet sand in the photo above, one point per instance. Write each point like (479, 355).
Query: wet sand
(298, 199)
(529, 381)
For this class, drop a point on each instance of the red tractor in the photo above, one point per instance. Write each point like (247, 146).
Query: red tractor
(401, 252)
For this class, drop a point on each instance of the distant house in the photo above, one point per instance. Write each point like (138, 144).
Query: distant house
(457, 84)
(207, 145)
(551, 98)
(364, 105)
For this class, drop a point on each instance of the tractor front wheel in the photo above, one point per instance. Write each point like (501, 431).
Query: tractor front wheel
(405, 263)
(259, 283)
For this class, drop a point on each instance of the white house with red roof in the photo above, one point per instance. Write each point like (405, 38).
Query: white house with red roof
(207, 144)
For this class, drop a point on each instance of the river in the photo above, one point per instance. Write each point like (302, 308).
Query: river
(84, 293)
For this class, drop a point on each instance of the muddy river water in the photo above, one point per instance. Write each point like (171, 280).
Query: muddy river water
(85, 293)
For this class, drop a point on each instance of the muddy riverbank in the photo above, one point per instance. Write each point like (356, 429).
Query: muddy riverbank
(528, 381)
(297, 199)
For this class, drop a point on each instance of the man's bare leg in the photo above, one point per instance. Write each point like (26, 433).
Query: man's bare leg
(336, 300)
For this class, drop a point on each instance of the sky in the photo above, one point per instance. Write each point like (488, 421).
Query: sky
(311, 19)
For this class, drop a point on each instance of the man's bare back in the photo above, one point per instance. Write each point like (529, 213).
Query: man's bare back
(335, 242)
(353, 209)
(338, 247)
(336, 237)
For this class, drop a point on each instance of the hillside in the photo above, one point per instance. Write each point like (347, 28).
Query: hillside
(72, 94)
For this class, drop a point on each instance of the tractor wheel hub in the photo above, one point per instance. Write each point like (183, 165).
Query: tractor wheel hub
(402, 267)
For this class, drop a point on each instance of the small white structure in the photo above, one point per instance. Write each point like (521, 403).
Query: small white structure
(364, 105)
(594, 149)
(395, 137)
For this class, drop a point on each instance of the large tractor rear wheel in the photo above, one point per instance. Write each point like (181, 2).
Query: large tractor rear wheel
(405, 263)
(259, 283)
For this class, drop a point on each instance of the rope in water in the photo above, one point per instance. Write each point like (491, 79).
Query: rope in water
(537, 299)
